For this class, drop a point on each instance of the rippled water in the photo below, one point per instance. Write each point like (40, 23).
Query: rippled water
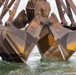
(37, 66)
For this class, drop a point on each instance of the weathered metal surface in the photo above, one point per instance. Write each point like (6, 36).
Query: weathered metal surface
(12, 13)
(61, 13)
(69, 12)
(37, 6)
(59, 32)
(13, 45)
(16, 44)
(50, 45)
(66, 7)
(6, 9)
(1, 2)
(5, 5)
(73, 6)
(52, 38)
(35, 28)
(21, 20)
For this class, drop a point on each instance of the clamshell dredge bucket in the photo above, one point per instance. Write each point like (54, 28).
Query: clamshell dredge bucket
(15, 44)
(54, 41)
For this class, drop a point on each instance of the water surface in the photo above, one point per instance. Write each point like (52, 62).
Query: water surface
(37, 66)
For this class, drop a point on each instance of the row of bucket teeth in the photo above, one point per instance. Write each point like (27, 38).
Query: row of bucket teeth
(30, 10)
(15, 44)
(30, 5)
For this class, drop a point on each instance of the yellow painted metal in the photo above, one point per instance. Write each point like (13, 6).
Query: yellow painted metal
(52, 41)
(72, 46)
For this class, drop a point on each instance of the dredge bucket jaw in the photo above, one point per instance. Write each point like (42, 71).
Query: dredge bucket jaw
(15, 44)
(51, 40)
(21, 20)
